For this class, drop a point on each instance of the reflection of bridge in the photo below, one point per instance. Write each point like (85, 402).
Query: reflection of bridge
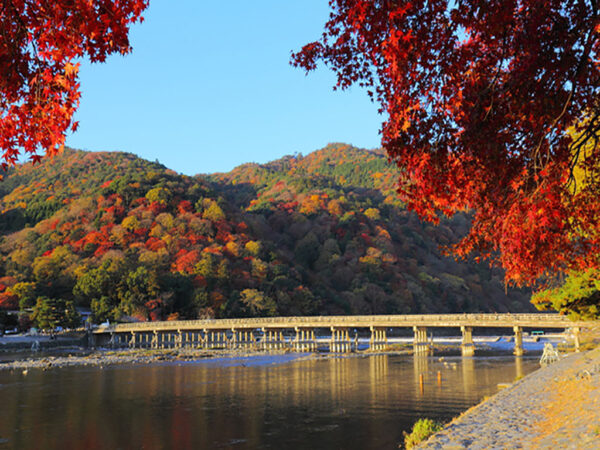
(299, 332)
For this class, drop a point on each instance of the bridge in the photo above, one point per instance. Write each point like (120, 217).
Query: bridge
(300, 333)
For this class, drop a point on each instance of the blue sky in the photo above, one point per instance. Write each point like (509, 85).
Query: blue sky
(209, 86)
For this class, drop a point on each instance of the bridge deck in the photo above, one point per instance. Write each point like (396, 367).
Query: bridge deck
(388, 321)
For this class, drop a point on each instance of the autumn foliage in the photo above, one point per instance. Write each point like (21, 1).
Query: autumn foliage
(490, 108)
(39, 45)
(321, 234)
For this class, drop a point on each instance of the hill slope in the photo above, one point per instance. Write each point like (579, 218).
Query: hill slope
(321, 234)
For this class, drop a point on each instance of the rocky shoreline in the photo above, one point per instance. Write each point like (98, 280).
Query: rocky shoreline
(555, 407)
(102, 358)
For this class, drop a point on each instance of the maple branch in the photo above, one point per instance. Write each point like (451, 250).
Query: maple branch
(584, 56)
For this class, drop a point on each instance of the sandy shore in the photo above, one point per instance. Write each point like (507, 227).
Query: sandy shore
(556, 407)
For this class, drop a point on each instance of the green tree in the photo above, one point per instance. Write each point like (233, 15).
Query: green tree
(206, 266)
(100, 287)
(578, 296)
(213, 212)
(53, 272)
(47, 314)
(139, 287)
(159, 195)
(71, 318)
(256, 302)
(26, 293)
(50, 313)
(307, 249)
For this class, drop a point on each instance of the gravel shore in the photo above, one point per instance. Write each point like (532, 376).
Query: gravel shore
(556, 407)
(103, 358)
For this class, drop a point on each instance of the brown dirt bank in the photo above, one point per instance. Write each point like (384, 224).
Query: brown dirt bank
(556, 407)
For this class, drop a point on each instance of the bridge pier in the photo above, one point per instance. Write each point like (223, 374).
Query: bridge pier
(340, 340)
(234, 338)
(518, 341)
(335, 345)
(299, 339)
(575, 332)
(420, 343)
(332, 343)
(132, 340)
(378, 339)
(268, 340)
(467, 347)
(224, 339)
(202, 339)
(346, 341)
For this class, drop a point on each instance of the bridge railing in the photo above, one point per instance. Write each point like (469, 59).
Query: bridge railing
(362, 321)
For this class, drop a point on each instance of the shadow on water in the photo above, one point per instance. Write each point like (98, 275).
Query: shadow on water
(357, 402)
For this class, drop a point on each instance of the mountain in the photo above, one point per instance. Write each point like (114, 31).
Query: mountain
(318, 234)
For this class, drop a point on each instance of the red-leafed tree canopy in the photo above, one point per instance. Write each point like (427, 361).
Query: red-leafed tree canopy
(492, 107)
(39, 43)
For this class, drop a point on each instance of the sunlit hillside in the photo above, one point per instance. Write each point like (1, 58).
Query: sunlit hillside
(318, 234)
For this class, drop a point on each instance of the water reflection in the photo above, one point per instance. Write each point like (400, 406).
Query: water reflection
(519, 367)
(356, 402)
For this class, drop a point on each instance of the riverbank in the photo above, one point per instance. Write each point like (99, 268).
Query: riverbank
(16, 352)
(25, 342)
(102, 358)
(557, 406)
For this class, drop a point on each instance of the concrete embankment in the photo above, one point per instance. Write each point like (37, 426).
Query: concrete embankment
(556, 407)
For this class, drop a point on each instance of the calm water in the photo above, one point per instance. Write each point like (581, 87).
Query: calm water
(260, 402)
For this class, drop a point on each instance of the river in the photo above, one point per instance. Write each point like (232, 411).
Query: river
(270, 402)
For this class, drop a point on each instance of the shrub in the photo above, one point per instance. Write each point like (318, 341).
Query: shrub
(422, 429)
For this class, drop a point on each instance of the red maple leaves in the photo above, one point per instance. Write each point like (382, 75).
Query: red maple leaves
(490, 106)
(40, 40)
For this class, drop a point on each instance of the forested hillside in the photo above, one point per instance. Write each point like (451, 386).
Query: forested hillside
(321, 234)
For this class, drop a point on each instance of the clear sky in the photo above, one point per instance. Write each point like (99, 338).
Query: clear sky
(208, 86)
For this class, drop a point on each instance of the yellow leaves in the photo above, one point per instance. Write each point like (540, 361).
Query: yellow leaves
(71, 69)
(233, 248)
(373, 257)
(130, 223)
(253, 247)
(335, 208)
(373, 213)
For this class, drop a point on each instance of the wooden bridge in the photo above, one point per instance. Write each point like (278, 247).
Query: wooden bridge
(300, 333)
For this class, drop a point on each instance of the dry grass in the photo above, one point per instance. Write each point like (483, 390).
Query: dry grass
(572, 409)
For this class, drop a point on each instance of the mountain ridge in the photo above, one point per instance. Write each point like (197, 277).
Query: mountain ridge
(323, 233)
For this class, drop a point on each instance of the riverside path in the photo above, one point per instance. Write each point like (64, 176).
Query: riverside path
(304, 333)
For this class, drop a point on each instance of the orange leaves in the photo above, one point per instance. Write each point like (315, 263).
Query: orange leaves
(471, 121)
(39, 88)
(185, 261)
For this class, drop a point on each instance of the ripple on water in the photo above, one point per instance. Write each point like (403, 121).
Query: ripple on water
(248, 402)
